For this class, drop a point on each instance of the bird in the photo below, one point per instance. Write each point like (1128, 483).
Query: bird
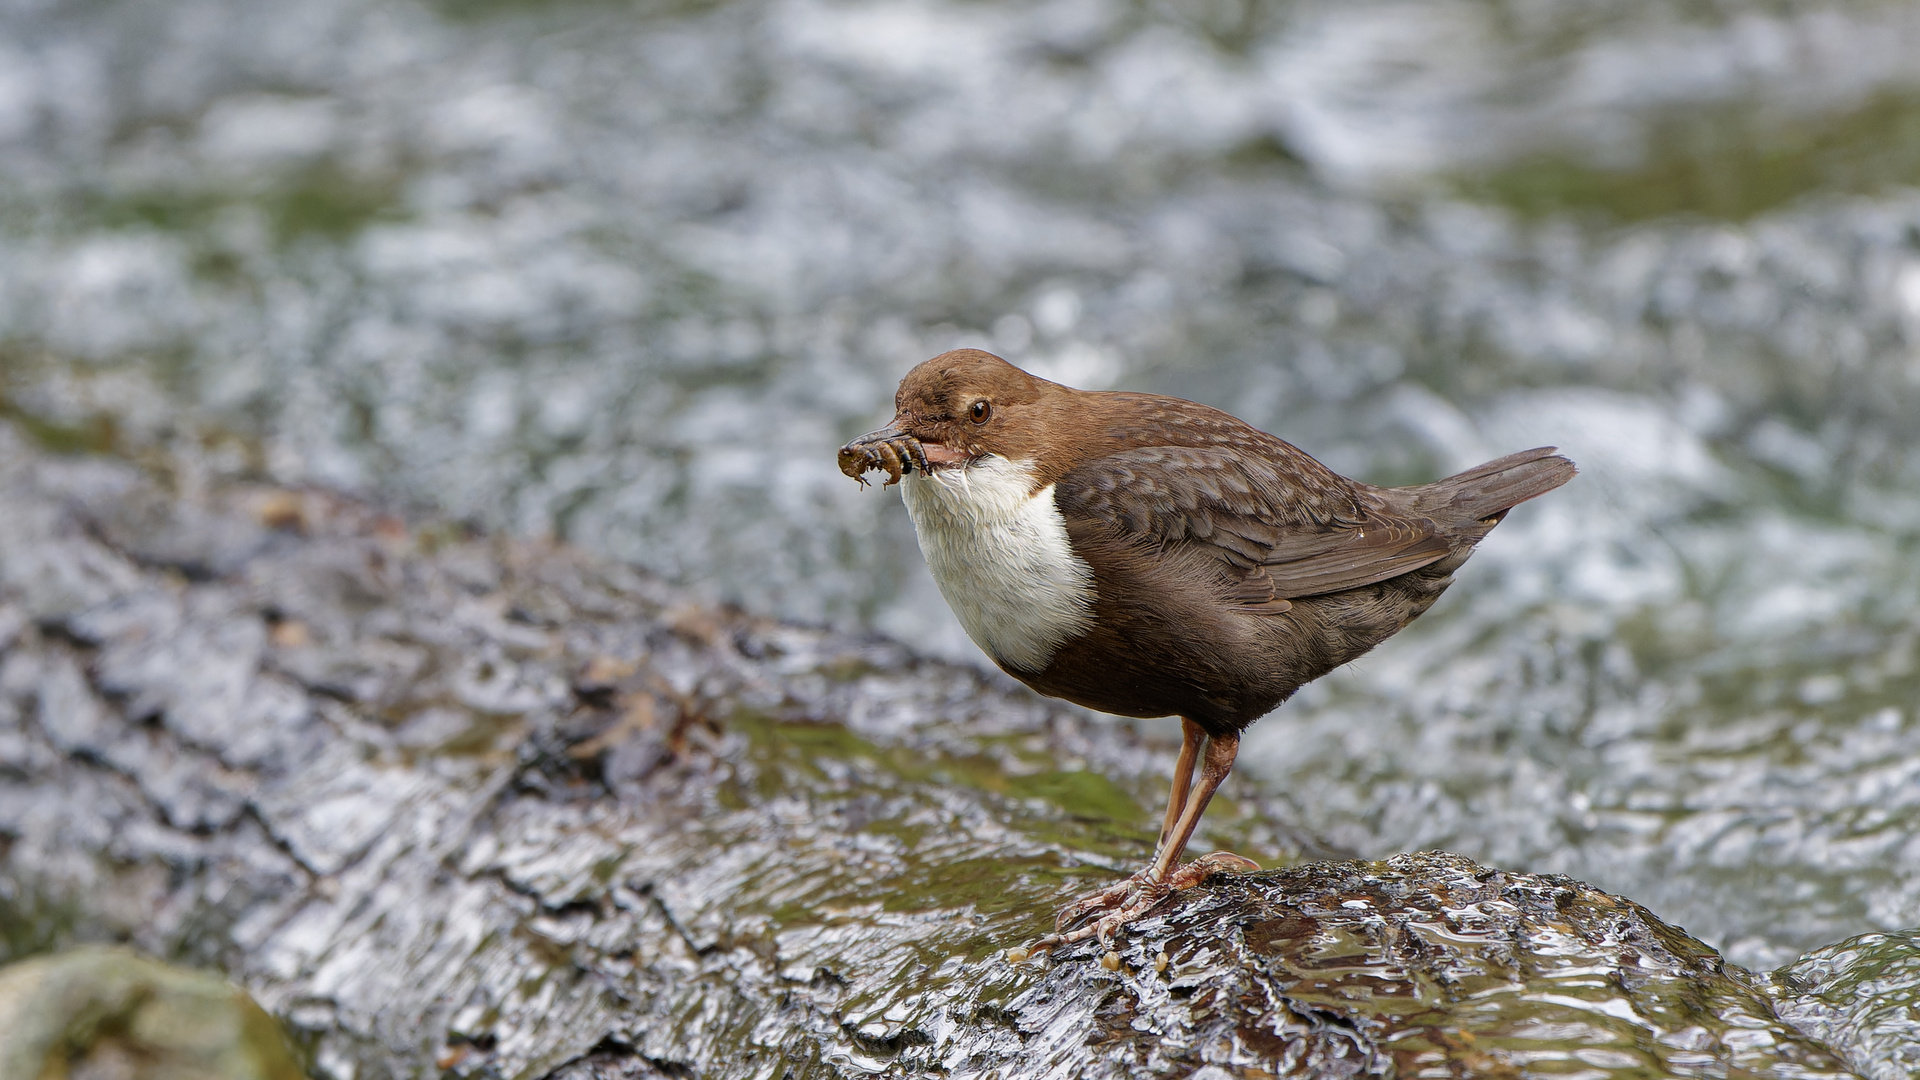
(1147, 556)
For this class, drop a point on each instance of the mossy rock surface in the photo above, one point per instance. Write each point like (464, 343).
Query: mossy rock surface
(96, 1012)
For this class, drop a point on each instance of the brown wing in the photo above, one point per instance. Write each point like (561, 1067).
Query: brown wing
(1282, 526)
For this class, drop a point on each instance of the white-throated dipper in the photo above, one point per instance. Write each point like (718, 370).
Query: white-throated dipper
(1148, 556)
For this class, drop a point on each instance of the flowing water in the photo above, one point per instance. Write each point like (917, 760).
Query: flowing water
(628, 274)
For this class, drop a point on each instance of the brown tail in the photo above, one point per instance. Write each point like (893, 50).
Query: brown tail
(1485, 493)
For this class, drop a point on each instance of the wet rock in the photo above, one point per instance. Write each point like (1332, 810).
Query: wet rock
(98, 1014)
(1425, 964)
(504, 810)
(1862, 997)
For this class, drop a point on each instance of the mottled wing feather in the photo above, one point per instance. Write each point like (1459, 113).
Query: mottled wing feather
(1282, 525)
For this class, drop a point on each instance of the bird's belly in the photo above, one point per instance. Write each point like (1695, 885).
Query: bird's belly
(1000, 554)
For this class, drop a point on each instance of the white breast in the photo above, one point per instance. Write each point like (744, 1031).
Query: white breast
(999, 552)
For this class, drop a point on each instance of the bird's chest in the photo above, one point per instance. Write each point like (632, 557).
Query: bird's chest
(1000, 554)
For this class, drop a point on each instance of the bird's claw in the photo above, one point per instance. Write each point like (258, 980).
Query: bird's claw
(1132, 898)
(1204, 867)
(1110, 897)
(1142, 900)
(1137, 898)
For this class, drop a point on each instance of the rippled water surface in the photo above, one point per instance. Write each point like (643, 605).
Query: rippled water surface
(629, 273)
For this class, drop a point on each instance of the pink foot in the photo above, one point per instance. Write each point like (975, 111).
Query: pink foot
(1110, 897)
(1134, 897)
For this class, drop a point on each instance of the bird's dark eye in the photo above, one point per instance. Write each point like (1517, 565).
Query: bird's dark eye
(980, 411)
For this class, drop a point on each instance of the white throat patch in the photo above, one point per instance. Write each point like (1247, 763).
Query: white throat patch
(999, 552)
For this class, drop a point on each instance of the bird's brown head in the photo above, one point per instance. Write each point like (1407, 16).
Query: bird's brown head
(958, 407)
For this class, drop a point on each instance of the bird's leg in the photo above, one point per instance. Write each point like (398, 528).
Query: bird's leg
(1161, 880)
(1191, 739)
(1221, 752)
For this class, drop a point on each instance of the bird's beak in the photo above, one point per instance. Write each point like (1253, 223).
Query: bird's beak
(892, 433)
(894, 451)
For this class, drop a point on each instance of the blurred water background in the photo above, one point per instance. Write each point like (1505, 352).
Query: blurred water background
(627, 274)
